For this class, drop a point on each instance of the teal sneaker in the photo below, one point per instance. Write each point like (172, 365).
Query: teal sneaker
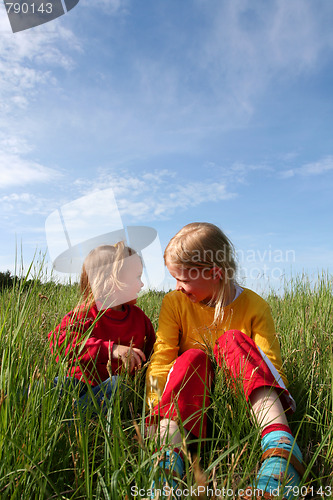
(174, 465)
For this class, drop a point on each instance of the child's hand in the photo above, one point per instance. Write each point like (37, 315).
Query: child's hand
(131, 357)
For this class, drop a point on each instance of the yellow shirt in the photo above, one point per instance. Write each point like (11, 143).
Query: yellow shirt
(185, 325)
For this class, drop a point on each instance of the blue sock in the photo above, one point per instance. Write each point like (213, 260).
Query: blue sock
(174, 464)
(276, 475)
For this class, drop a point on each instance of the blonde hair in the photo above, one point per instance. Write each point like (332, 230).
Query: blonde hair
(203, 245)
(100, 272)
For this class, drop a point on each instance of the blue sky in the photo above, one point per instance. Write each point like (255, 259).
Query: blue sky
(189, 111)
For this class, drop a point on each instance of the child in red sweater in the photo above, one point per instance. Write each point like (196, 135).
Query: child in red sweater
(106, 332)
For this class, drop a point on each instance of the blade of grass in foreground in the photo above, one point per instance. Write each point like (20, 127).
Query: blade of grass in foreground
(49, 451)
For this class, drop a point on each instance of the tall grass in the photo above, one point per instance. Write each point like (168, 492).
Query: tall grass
(50, 449)
(305, 323)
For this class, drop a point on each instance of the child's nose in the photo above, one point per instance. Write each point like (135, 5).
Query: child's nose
(178, 286)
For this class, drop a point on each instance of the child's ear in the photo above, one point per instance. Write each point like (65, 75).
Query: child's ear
(217, 273)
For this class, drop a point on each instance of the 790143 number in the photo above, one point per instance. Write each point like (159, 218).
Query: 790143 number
(28, 8)
(325, 491)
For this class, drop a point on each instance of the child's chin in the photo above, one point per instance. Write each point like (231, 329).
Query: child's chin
(130, 302)
(192, 297)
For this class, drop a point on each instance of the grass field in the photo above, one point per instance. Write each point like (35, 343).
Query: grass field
(49, 451)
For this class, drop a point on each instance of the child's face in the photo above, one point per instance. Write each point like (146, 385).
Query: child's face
(131, 284)
(199, 285)
(130, 276)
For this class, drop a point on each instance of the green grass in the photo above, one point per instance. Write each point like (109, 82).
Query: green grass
(49, 451)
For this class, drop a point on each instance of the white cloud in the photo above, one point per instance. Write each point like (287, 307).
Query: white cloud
(200, 78)
(28, 58)
(298, 35)
(20, 203)
(171, 96)
(237, 172)
(14, 197)
(14, 145)
(250, 45)
(319, 167)
(164, 203)
(17, 171)
(157, 195)
(34, 45)
(27, 63)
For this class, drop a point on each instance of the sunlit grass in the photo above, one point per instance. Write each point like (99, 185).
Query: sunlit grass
(50, 450)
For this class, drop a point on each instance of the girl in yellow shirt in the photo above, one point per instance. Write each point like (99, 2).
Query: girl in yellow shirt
(208, 308)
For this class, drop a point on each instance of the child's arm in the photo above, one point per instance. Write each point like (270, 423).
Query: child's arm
(133, 357)
(74, 340)
(64, 334)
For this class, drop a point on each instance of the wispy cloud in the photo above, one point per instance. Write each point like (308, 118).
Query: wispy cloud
(186, 81)
(21, 203)
(157, 195)
(237, 172)
(319, 167)
(198, 79)
(17, 171)
(27, 60)
(248, 46)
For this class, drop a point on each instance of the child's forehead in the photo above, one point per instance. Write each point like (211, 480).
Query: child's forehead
(178, 270)
(133, 262)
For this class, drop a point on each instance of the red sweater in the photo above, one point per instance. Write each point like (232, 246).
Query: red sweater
(128, 327)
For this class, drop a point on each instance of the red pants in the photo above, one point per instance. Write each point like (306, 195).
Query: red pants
(187, 391)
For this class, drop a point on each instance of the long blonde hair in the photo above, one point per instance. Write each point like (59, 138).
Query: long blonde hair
(203, 245)
(100, 272)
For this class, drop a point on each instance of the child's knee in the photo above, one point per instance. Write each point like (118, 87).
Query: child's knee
(232, 336)
(194, 356)
(231, 341)
(192, 363)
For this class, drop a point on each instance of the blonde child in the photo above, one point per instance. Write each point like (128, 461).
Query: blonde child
(106, 331)
(208, 307)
